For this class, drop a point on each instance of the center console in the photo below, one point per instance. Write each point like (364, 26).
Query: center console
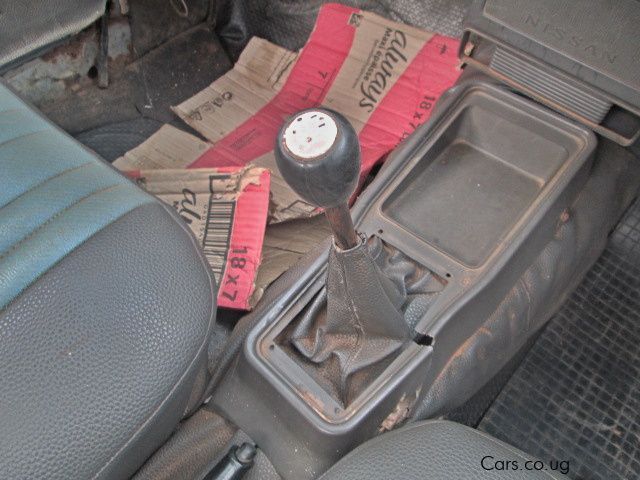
(444, 231)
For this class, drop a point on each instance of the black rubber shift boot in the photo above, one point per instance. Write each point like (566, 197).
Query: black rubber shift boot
(355, 322)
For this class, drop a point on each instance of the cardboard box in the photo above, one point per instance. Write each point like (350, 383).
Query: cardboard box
(226, 209)
(385, 77)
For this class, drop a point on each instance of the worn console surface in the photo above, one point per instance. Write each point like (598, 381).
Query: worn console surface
(464, 206)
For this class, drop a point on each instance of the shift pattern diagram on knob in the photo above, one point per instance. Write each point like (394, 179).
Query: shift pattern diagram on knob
(318, 154)
(310, 135)
(321, 160)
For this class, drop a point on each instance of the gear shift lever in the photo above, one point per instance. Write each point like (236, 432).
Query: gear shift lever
(318, 154)
(356, 320)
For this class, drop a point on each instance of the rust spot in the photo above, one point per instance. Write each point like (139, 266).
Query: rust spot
(462, 349)
(311, 399)
(401, 412)
(73, 48)
(484, 330)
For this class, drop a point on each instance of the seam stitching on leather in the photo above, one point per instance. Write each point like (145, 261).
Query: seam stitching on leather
(5, 307)
(54, 217)
(12, 110)
(20, 137)
(46, 180)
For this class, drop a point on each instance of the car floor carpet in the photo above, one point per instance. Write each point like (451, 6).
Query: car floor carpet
(146, 88)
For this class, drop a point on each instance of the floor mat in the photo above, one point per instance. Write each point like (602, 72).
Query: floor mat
(576, 395)
(289, 23)
(114, 140)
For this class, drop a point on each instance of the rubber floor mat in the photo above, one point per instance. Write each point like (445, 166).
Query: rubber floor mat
(576, 395)
(114, 140)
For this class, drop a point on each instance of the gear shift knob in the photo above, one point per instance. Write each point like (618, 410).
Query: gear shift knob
(318, 154)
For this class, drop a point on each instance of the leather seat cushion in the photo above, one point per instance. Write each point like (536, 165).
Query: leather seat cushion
(106, 308)
(435, 450)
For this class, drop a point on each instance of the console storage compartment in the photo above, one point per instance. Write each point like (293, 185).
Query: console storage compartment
(486, 168)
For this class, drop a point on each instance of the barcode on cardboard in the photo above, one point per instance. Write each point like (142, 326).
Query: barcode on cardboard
(217, 234)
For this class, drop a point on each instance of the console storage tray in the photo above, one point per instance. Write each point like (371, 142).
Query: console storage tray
(473, 186)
